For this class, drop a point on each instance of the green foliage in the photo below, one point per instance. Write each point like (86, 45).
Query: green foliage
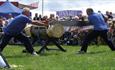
(97, 58)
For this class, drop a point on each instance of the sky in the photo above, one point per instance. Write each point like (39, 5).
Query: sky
(51, 6)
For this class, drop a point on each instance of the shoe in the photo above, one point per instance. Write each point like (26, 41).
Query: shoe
(34, 53)
(81, 52)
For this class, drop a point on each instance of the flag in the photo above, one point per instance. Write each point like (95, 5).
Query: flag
(34, 4)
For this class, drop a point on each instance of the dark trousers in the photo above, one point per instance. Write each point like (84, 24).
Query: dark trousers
(94, 34)
(22, 38)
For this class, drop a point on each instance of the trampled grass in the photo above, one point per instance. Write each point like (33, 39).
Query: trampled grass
(97, 58)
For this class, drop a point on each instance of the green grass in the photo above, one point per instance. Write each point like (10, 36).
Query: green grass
(97, 58)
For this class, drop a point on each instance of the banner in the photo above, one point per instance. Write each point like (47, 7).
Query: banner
(67, 13)
(34, 4)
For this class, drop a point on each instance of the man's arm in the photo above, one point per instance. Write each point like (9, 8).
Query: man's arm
(40, 23)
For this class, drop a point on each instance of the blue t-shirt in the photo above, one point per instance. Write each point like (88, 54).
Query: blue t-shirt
(16, 25)
(97, 21)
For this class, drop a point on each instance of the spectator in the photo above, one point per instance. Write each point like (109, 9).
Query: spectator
(1, 22)
(109, 15)
(36, 17)
(10, 17)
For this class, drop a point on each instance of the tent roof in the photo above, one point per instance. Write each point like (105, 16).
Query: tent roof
(8, 7)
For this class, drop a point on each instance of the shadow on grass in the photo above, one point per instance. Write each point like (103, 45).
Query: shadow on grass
(96, 52)
(49, 54)
(18, 56)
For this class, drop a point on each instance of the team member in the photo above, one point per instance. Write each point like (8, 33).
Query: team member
(15, 28)
(100, 29)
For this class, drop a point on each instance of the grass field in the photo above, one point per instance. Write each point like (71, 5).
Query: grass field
(97, 58)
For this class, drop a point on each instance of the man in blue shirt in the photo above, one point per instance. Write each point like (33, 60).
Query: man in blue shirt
(15, 28)
(100, 29)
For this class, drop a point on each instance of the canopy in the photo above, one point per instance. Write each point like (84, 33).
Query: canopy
(9, 8)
